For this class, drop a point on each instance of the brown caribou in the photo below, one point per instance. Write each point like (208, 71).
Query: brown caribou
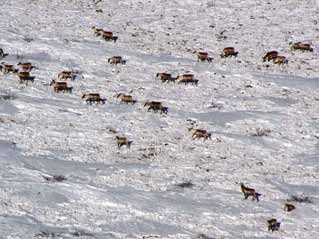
(280, 60)
(200, 133)
(228, 52)
(123, 141)
(152, 103)
(97, 31)
(26, 66)
(271, 55)
(106, 35)
(7, 68)
(249, 192)
(23, 74)
(156, 106)
(187, 79)
(289, 207)
(61, 86)
(116, 60)
(186, 76)
(273, 225)
(66, 75)
(90, 98)
(25, 77)
(203, 56)
(126, 98)
(301, 46)
(165, 77)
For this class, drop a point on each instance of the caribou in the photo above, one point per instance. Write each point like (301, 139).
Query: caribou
(116, 60)
(271, 55)
(187, 79)
(7, 68)
(199, 133)
(61, 86)
(97, 31)
(156, 106)
(301, 46)
(186, 76)
(289, 207)
(228, 52)
(26, 66)
(165, 77)
(203, 56)
(249, 192)
(23, 74)
(90, 98)
(280, 60)
(126, 98)
(106, 35)
(25, 77)
(123, 141)
(152, 104)
(66, 75)
(273, 225)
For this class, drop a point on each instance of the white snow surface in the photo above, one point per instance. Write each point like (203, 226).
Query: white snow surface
(134, 193)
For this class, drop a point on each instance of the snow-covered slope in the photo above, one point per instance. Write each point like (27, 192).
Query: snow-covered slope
(166, 185)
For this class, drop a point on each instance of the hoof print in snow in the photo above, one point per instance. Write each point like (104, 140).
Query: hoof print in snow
(2, 54)
(300, 199)
(203, 236)
(46, 234)
(81, 233)
(7, 95)
(55, 178)
(150, 236)
(28, 39)
(187, 184)
(113, 131)
(261, 132)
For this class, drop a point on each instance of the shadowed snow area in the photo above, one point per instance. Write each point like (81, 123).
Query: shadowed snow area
(62, 174)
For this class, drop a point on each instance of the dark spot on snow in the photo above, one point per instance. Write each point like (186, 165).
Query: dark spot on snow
(300, 199)
(187, 184)
(55, 178)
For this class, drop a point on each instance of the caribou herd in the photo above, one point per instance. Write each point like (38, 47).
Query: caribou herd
(23, 71)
